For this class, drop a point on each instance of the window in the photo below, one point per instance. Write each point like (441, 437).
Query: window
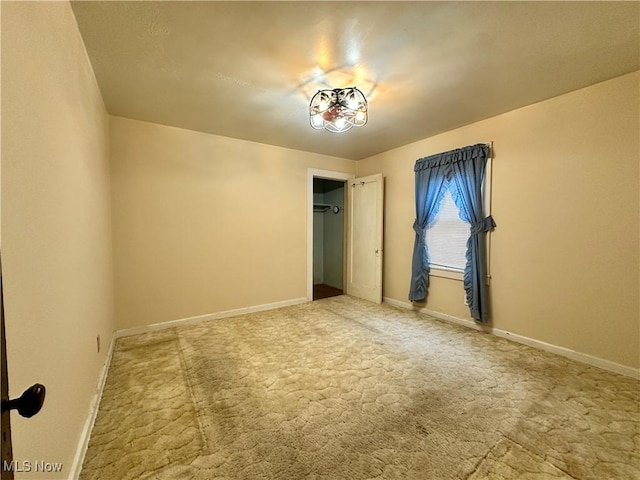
(447, 238)
(468, 171)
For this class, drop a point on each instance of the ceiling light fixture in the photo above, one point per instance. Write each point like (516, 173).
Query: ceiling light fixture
(338, 110)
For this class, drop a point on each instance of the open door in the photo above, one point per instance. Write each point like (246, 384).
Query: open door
(364, 252)
(7, 449)
(27, 405)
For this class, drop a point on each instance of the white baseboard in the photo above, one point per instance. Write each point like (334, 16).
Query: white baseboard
(571, 354)
(209, 316)
(441, 316)
(83, 443)
(531, 342)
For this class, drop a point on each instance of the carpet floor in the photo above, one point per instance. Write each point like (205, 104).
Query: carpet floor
(345, 389)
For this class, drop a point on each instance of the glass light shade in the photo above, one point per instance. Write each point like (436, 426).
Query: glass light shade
(338, 110)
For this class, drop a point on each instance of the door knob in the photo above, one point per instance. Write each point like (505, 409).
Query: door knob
(29, 403)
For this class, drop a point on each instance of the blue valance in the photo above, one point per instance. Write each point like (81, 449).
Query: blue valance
(480, 150)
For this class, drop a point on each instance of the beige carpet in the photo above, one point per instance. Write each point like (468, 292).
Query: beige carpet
(344, 389)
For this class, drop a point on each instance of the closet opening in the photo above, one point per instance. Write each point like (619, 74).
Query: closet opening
(328, 238)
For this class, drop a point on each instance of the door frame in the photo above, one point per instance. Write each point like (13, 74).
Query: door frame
(7, 448)
(328, 175)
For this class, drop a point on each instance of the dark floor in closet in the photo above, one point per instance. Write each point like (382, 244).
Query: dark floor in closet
(325, 291)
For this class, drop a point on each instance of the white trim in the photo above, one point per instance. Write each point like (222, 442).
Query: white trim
(209, 316)
(486, 195)
(83, 443)
(329, 175)
(441, 316)
(571, 354)
(531, 342)
(453, 274)
(445, 272)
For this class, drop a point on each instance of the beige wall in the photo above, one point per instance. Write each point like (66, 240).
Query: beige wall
(564, 257)
(205, 224)
(56, 233)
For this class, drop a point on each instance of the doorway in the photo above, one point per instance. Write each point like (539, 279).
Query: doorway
(313, 176)
(362, 235)
(328, 238)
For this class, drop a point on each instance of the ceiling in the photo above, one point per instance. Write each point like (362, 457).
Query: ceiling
(248, 69)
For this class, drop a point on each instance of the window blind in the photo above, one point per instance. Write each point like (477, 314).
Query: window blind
(447, 237)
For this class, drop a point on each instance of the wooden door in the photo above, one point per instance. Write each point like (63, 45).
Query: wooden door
(7, 449)
(365, 234)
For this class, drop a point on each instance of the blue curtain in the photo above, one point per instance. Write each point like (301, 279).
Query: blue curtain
(466, 190)
(462, 171)
(431, 179)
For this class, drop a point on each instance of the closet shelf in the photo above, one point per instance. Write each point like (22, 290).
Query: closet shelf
(324, 207)
(321, 206)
